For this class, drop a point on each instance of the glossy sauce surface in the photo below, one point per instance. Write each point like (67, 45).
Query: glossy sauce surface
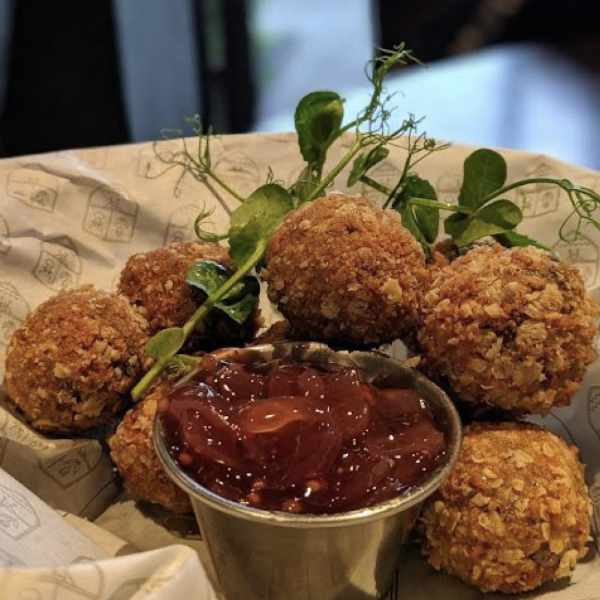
(290, 437)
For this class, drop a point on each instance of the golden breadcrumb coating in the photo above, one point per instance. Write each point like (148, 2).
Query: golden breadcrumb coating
(342, 269)
(511, 328)
(514, 513)
(133, 453)
(155, 283)
(74, 358)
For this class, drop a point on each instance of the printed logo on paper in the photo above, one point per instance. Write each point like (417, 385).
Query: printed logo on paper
(17, 517)
(538, 199)
(72, 465)
(13, 310)
(180, 227)
(4, 236)
(58, 266)
(110, 216)
(35, 189)
(582, 253)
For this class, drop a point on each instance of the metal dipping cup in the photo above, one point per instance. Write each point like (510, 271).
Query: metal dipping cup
(270, 555)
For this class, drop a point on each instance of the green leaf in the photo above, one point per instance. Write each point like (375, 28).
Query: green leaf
(318, 119)
(455, 224)
(484, 173)
(165, 344)
(207, 275)
(510, 239)
(257, 218)
(497, 217)
(427, 219)
(409, 221)
(242, 309)
(239, 303)
(366, 161)
(266, 206)
(243, 242)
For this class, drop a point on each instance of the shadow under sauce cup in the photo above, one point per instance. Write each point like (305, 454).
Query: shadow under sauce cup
(258, 554)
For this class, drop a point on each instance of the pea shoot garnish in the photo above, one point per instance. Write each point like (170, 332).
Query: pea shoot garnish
(481, 209)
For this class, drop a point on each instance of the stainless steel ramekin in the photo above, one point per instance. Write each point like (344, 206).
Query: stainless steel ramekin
(271, 555)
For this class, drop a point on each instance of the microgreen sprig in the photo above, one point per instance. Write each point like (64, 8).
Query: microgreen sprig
(318, 119)
(251, 227)
(164, 346)
(198, 163)
(480, 210)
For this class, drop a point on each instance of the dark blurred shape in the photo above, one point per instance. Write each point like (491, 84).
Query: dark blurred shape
(70, 82)
(228, 94)
(427, 27)
(63, 87)
(435, 30)
(76, 74)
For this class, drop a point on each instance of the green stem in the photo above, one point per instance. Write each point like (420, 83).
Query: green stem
(201, 312)
(392, 193)
(226, 187)
(221, 292)
(189, 359)
(336, 170)
(439, 205)
(144, 383)
(414, 200)
(347, 127)
(375, 185)
(522, 182)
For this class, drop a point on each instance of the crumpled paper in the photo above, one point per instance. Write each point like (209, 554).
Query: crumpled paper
(74, 217)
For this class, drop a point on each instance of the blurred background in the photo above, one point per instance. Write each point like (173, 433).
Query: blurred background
(509, 73)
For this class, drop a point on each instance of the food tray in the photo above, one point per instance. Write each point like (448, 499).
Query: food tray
(71, 218)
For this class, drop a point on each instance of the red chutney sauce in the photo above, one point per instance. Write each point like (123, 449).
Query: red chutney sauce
(289, 437)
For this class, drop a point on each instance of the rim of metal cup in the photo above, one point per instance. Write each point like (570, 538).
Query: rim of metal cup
(315, 353)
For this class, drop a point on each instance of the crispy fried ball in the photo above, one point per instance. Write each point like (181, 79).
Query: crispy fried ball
(514, 513)
(342, 269)
(512, 328)
(133, 453)
(155, 283)
(74, 358)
